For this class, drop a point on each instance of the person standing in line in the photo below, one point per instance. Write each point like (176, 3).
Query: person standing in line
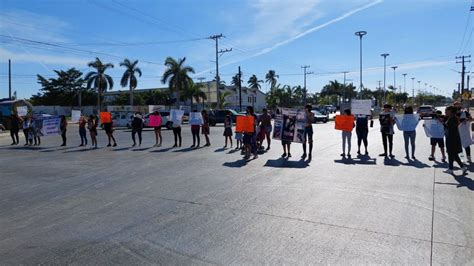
(464, 116)
(82, 131)
(137, 128)
(63, 129)
(205, 127)
(92, 126)
(26, 129)
(157, 130)
(249, 138)
(266, 125)
(362, 132)
(409, 136)
(195, 133)
(228, 129)
(347, 138)
(110, 133)
(437, 141)
(30, 130)
(15, 122)
(177, 133)
(386, 119)
(36, 133)
(453, 140)
(308, 132)
(238, 140)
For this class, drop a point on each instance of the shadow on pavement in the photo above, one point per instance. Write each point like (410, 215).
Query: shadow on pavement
(233, 151)
(141, 149)
(366, 160)
(415, 163)
(462, 180)
(162, 150)
(31, 148)
(79, 150)
(185, 150)
(220, 150)
(121, 149)
(236, 164)
(284, 163)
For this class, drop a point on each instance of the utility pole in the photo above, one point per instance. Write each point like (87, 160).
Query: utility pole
(240, 90)
(384, 73)
(394, 78)
(9, 79)
(404, 83)
(216, 39)
(200, 83)
(413, 90)
(463, 70)
(419, 86)
(344, 97)
(378, 89)
(304, 89)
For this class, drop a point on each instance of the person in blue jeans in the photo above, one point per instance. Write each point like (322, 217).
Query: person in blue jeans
(409, 137)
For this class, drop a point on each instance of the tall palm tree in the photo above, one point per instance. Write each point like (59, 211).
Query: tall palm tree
(254, 83)
(222, 102)
(129, 78)
(177, 76)
(236, 80)
(98, 79)
(271, 78)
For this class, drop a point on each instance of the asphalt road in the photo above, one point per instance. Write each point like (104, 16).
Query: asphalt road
(122, 205)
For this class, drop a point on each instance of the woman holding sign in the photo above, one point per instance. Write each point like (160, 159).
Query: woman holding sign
(195, 126)
(453, 140)
(347, 137)
(386, 128)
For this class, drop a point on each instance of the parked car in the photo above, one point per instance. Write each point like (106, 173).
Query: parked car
(318, 117)
(330, 108)
(321, 109)
(165, 120)
(218, 116)
(426, 110)
(122, 118)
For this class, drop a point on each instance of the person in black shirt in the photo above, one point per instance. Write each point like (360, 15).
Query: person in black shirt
(453, 140)
(362, 131)
(137, 128)
(15, 128)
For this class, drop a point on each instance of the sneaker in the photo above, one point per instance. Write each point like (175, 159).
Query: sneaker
(192, 146)
(431, 158)
(358, 152)
(366, 153)
(115, 145)
(109, 145)
(449, 171)
(392, 156)
(443, 159)
(134, 145)
(469, 159)
(383, 155)
(283, 155)
(303, 156)
(14, 143)
(348, 155)
(343, 155)
(464, 170)
(289, 155)
(268, 148)
(174, 146)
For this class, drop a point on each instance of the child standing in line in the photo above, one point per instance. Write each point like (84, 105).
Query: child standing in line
(238, 139)
(228, 129)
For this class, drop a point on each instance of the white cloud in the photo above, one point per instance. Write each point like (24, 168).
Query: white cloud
(44, 59)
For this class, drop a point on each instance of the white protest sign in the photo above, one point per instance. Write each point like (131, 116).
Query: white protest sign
(48, 126)
(407, 122)
(465, 134)
(361, 107)
(22, 110)
(176, 116)
(75, 115)
(195, 118)
(434, 129)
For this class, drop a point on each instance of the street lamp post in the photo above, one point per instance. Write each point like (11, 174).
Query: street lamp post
(419, 86)
(394, 78)
(360, 34)
(384, 73)
(413, 90)
(404, 83)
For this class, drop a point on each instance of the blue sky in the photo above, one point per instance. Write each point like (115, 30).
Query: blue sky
(423, 37)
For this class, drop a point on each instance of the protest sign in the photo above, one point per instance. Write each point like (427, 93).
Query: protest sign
(434, 129)
(407, 122)
(75, 115)
(47, 126)
(290, 125)
(155, 121)
(22, 110)
(465, 134)
(176, 116)
(361, 107)
(195, 118)
(245, 124)
(105, 117)
(344, 122)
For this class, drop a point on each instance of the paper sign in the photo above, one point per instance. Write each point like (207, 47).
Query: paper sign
(290, 125)
(434, 129)
(176, 116)
(155, 121)
(361, 107)
(465, 134)
(245, 124)
(344, 122)
(407, 122)
(195, 118)
(75, 115)
(22, 110)
(105, 117)
(47, 126)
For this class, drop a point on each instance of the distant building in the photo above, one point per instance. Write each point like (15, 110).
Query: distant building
(250, 97)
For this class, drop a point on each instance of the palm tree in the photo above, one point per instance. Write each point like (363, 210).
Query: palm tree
(271, 78)
(101, 81)
(222, 102)
(177, 76)
(254, 83)
(129, 78)
(236, 80)
(193, 92)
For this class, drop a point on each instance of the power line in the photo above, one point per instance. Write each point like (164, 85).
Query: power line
(465, 29)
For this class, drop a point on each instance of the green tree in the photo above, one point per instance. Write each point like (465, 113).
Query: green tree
(271, 78)
(254, 82)
(97, 79)
(222, 99)
(129, 77)
(177, 76)
(236, 80)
